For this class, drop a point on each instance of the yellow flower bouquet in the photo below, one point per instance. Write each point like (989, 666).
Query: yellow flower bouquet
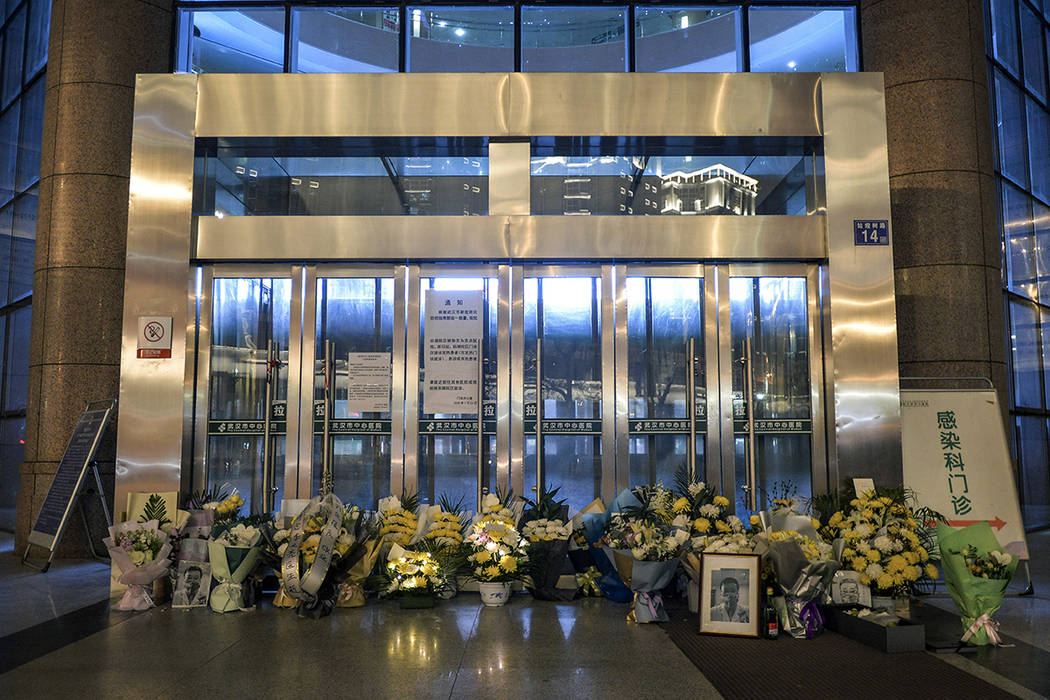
(885, 540)
(411, 577)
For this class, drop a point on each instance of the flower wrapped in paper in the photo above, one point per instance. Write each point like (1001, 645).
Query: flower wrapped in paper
(324, 542)
(593, 520)
(804, 567)
(644, 541)
(140, 551)
(976, 571)
(545, 528)
(234, 553)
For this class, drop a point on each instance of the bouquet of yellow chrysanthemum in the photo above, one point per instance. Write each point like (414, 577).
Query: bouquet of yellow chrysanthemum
(802, 564)
(709, 521)
(227, 510)
(403, 521)
(884, 540)
(445, 525)
(497, 551)
(317, 553)
(411, 577)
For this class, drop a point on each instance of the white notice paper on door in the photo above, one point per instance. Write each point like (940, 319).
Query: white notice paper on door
(368, 382)
(451, 338)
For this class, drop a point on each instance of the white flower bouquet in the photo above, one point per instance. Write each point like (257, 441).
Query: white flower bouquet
(545, 528)
(644, 542)
(233, 552)
(141, 552)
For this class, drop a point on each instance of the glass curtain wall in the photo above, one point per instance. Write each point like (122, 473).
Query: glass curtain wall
(229, 37)
(24, 28)
(1018, 47)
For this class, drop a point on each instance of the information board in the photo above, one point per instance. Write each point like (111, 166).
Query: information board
(368, 382)
(957, 461)
(451, 343)
(69, 478)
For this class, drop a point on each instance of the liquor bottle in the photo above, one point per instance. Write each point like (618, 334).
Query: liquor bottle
(770, 620)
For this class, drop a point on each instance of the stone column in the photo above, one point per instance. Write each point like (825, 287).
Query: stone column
(94, 52)
(942, 186)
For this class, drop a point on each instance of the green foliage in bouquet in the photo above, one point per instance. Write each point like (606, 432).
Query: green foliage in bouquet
(546, 506)
(155, 510)
(655, 505)
(200, 497)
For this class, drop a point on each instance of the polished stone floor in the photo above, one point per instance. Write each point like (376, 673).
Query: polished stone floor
(459, 649)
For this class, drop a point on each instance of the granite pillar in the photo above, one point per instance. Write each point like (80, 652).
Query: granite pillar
(95, 50)
(942, 186)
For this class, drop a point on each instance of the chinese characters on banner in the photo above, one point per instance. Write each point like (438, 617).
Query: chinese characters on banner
(452, 332)
(954, 467)
(957, 462)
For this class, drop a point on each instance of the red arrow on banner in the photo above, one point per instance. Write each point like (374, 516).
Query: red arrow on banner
(998, 523)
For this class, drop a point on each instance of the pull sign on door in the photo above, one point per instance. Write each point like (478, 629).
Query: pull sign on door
(154, 337)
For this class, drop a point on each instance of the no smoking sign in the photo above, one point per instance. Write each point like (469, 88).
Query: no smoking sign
(154, 337)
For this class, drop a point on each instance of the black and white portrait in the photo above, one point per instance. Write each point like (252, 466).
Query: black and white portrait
(192, 585)
(729, 594)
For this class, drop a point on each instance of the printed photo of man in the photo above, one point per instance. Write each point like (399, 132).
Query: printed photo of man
(191, 588)
(728, 608)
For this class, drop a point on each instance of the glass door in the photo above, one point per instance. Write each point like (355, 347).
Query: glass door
(665, 380)
(246, 337)
(353, 324)
(566, 382)
(454, 331)
(773, 367)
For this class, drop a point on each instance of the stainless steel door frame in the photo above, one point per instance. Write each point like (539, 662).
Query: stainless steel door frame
(517, 378)
(611, 277)
(623, 437)
(816, 323)
(313, 273)
(208, 275)
(415, 274)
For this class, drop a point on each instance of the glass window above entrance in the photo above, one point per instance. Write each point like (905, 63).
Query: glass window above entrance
(353, 176)
(686, 176)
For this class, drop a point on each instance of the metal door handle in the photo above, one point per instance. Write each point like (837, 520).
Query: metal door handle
(749, 406)
(691, 407)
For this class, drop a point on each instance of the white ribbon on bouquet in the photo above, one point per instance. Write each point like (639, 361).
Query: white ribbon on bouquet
(306, 587)
(990, 626)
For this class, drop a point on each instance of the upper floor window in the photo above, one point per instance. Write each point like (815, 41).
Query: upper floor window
(228, 37)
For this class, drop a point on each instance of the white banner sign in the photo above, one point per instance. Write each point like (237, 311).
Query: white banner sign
(957, 461)
(368, 375)
(452, 335)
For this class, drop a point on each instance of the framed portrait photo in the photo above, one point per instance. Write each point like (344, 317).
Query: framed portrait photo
(192, 585)
(729, 594)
